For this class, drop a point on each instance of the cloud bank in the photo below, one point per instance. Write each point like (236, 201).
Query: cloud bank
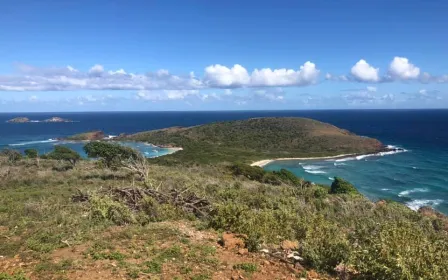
(217, 76)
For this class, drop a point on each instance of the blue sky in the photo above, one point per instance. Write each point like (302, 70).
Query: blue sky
(222, 55)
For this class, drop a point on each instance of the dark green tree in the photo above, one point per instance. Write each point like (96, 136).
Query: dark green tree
(110, 153)
(64, 153)
(31, 153)
(339, 185)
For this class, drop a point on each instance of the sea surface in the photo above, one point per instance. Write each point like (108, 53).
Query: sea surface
(416, 177)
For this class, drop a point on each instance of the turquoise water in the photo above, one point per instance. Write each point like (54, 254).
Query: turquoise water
(413, 177)
(45, 146)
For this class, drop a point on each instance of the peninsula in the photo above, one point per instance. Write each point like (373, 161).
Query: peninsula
(258, 139)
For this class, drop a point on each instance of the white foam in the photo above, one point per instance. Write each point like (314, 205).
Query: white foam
(33, 142)
(394, 150)
(108, 137)
(312, 167)
(339, 164)
(418, 203)
(343, 159)
(330, 178)
(315, 171)
(408, 192)
(385, 189)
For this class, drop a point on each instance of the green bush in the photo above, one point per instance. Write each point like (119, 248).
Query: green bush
(31, 153)
(64, 153)
(341, 186)
(12, 155)
(110, 153)
(251, 172)
(398, 251)
(325, 245)
(16, 276)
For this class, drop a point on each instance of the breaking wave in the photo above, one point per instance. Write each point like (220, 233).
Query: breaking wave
(418, 203)
(315, 171)
(393, 150)
(408, 192)
(33, 142)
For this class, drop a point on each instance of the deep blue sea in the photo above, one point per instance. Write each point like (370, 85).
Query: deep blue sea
(416, 177)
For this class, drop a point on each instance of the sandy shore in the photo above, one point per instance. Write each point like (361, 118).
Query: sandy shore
(264, 162)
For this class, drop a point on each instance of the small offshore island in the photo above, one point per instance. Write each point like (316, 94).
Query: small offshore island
(50, 120)
(205, 213)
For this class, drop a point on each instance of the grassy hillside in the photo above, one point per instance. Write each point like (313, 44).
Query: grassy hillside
(90, 222)
(259, 138)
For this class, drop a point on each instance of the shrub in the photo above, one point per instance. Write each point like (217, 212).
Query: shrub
(341, 186)
(325, 245)
(271, 178)
(288, 177)
(12, 155)
(110, 153)
(31, 153)
(64, 153)
(251, 172)
(398, 251)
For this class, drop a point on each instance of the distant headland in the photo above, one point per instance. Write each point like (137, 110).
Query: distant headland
(50, 120)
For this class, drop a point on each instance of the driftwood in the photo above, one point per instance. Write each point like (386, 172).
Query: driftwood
(132, 196)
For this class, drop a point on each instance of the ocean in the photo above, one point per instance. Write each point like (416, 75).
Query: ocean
(416, 177)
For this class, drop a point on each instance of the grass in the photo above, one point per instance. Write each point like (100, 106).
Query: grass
(247, 267)
(378, 240)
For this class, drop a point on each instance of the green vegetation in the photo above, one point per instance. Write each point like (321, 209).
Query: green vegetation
(65, 154)
(248, 267)
(31, 153)
(142, 219)
(111, 154)
(256, 139)
(339, 185)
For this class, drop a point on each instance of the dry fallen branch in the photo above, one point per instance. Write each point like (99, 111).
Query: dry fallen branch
(132, 197)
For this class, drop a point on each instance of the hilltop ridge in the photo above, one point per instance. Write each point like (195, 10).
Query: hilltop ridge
(259, 138)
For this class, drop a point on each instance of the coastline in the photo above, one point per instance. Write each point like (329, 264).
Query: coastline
(262, 163)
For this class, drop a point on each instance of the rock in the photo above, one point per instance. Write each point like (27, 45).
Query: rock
(56, 119)
(266, 251)
(243, 251)
(381, 203)
(289, 245)
(19, 120)
(294, 255)
(232, 241)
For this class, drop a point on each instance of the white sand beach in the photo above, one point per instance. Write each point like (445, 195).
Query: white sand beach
(264, 162)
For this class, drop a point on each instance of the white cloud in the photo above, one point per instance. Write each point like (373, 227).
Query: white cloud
(363, 72)
(222, 76)
(307, 74)
(118, 72)
(33, 98)
(163, 95)
(400, 68)
(96, 69)
(238, 76)
(423, 91)
(371, 89)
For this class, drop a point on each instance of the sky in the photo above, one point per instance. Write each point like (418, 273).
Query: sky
(132, 55)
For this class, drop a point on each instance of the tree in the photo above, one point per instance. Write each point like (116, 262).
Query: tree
(64, 153)
(339, 185)
(31, 153)
(12, 155)
(111, 153)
